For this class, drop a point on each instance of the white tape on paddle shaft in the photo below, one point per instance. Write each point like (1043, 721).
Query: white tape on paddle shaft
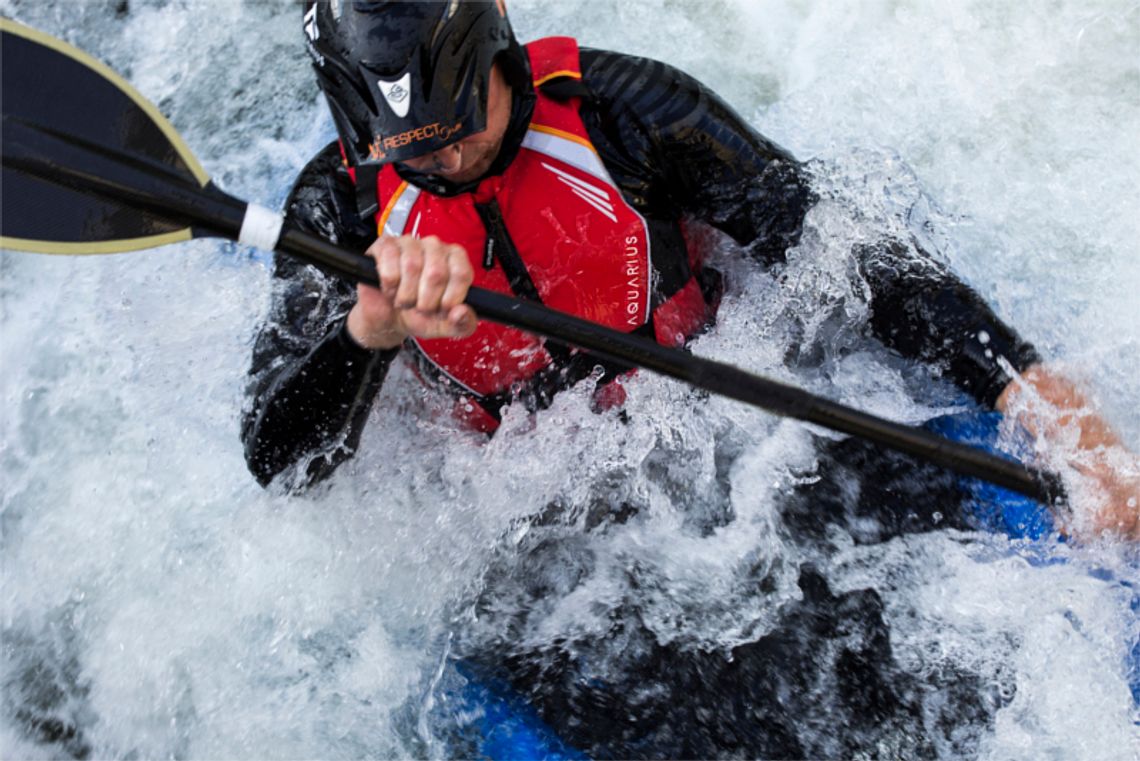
(261, 227)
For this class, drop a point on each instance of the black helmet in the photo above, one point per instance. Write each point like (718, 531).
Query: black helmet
(404, 79)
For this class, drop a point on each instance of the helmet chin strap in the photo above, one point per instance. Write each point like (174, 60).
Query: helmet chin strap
(367, 203)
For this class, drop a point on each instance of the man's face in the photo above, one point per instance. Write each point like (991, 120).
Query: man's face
(472, 156)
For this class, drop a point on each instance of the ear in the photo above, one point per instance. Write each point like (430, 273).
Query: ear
(502, 6)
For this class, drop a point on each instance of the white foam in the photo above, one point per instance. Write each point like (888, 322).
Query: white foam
(207, 618)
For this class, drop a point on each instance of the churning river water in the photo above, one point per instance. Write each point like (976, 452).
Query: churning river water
(158, 603)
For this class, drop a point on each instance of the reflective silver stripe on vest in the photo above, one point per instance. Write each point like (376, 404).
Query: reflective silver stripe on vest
(398, 219)
(568, 151)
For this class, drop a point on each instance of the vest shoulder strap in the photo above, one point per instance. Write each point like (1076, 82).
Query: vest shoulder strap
(556, 69)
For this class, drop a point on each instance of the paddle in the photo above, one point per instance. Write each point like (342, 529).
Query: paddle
(90, 166)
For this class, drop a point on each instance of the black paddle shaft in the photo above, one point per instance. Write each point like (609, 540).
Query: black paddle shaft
(152, 188)
(779, 398)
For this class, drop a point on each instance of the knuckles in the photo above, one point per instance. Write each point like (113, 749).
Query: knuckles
(407, 264)
(436, 273)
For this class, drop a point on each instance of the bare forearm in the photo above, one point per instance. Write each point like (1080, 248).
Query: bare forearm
(1064, 418)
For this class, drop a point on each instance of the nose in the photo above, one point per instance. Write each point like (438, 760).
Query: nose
(449, 159)
(444, 161)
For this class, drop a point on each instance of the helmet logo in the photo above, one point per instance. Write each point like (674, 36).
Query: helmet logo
(396, 93)
(379, 147)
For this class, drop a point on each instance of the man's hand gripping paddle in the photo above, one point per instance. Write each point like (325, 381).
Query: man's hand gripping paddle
(89, 166)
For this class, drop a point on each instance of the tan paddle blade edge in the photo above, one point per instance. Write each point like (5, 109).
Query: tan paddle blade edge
(56, 96)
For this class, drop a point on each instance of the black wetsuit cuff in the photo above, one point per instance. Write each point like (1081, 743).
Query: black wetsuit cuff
(1020, 355)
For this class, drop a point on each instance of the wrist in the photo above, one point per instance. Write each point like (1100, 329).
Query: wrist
(369, 338)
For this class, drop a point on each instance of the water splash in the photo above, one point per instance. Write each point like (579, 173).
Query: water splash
(157, 603)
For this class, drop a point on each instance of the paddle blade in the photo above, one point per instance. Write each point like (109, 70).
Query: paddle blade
(55, 95)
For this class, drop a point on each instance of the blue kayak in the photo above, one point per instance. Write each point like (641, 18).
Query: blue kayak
(497, 722)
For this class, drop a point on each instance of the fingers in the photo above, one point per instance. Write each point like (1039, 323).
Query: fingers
(459, 322)
(425, 282)
(459, 278)
(1046, 401)
(386, 252)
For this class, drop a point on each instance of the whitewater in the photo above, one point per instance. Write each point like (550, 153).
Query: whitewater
(158, 603)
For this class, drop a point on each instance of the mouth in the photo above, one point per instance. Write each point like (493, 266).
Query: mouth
(446, 172)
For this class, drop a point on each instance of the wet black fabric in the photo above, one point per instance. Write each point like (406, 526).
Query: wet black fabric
(676, 151)
(873, 495)
(822, 682)
(299, 422)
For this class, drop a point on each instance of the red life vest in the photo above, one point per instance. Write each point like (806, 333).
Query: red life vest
(586, 251)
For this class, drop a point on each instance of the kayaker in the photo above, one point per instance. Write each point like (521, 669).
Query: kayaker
(565, 175)
(569, 176)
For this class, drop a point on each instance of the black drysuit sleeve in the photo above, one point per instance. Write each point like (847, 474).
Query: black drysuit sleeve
(676, 148)
(311, 386)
